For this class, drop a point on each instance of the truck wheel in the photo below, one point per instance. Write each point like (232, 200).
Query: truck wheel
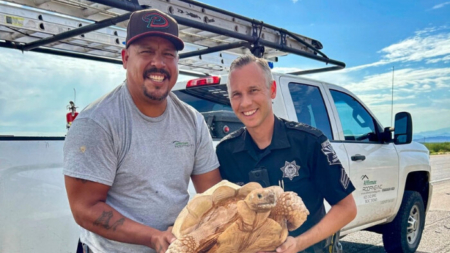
(403, 234)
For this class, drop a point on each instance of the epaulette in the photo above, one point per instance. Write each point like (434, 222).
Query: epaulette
(303, 127)
(232, 135)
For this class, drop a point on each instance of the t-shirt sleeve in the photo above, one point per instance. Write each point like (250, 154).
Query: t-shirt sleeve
(205, 156)
(89, 152)
(329, 175)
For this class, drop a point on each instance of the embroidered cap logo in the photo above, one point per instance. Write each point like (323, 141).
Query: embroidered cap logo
(155, 20)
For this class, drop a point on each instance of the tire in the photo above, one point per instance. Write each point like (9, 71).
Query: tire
(403, 234)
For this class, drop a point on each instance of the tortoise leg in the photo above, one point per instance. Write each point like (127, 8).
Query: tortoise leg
(230, 240)
(185, 244)
(290, 207)
(266, 238)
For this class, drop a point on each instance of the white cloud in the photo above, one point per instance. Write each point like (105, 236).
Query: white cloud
(418, 48)
(424, 118)
(36, 99)
(445, 59)
(383, 98)
(285, 69)
(431, 29)
(338, 77)
(411, 80)
(294, 1)
(424, 46)
(409, 83)
(415, 91)
(419, 91)
(437, 6)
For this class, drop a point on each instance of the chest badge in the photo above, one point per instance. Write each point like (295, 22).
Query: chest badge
(290, 169)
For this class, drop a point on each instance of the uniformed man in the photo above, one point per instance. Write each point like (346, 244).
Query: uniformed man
(274, 151)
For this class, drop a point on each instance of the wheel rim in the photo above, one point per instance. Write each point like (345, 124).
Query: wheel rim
(413, 225)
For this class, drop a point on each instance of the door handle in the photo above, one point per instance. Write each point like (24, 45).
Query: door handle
(358, 157)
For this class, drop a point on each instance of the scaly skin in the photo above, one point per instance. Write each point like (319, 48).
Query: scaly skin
(290, 208)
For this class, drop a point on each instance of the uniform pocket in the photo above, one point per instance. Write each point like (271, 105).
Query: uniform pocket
(294, 177)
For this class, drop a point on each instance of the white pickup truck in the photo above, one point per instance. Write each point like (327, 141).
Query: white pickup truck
(391, 175)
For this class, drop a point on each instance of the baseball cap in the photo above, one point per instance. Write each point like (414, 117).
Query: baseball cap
(153, 22)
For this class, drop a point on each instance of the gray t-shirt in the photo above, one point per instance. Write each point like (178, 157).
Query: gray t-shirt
(146, 161)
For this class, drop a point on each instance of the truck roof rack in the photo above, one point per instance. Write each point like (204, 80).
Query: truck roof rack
(96, 30)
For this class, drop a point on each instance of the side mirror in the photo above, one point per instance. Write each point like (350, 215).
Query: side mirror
(403, 128)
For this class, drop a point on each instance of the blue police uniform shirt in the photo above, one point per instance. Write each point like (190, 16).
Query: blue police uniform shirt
(300, 158)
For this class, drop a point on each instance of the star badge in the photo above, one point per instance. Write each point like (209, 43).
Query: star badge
(290, 169)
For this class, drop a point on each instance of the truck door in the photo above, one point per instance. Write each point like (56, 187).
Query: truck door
(373, 163)
(306, 101)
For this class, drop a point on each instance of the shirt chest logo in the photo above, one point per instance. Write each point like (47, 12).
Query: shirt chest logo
(290, 169)
(180, 144)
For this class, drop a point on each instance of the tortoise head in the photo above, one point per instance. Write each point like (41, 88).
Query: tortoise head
(261, 199)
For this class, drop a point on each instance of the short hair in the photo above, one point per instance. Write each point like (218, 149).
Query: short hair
(244, 60)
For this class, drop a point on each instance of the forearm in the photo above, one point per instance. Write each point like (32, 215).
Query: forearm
(105, 221)
(338, 216)
(87, 201)
(204, 181)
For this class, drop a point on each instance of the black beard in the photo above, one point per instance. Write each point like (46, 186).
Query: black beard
(153, 97)
(149, 95)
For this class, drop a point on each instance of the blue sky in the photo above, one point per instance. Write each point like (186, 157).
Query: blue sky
(371, 37)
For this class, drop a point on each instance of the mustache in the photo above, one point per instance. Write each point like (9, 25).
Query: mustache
(149, 71)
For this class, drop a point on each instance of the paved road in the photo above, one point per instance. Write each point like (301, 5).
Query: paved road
(440, 165)
(436, 236)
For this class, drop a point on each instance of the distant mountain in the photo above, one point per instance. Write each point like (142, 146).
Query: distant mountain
(440, 135)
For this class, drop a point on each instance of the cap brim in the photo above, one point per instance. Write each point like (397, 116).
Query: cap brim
(177, 42)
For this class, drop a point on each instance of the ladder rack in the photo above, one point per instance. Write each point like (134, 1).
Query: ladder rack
(96, 30)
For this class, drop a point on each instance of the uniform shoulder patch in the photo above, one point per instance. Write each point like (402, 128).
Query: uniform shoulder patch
(329, 152)
(303, 127)
(232, 135)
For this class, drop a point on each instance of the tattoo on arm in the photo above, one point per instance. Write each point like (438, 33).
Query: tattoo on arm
(160, 250)
(118, 223)
(82, 180)
(103, 221)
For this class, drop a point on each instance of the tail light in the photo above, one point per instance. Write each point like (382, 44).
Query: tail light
(203, 81)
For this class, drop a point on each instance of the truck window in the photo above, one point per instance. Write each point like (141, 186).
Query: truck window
(213, 103)
(310, 107)
(357, 123)
(202, 102)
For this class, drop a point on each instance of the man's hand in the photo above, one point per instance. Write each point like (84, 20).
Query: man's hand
(291, 245)
(161, 241)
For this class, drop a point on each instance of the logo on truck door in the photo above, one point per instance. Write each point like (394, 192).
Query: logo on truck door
(367, 181)
(328, 150)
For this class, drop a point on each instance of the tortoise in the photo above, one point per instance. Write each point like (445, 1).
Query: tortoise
(228, 218)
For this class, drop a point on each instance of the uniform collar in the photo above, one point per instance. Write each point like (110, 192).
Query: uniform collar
(279, 139)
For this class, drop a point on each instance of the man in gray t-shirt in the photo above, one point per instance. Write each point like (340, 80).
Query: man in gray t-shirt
(128, 156)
